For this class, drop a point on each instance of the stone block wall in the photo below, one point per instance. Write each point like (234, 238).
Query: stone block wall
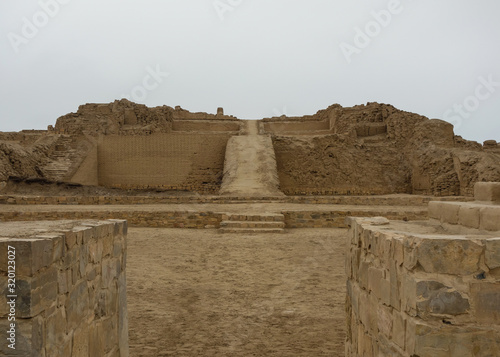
(389, 200)
(69, 296)
(137, 218)
(483, 214)
(337, 218)
(411, 294)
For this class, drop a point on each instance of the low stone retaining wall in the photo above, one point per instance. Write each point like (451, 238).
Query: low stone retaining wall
(336, 219)
(484, 213)
(135, 218)
(69, 295)
(200, 220)
(413, 294)
(395, 200)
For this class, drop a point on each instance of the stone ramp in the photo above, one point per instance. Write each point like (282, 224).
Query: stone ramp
(250, 166)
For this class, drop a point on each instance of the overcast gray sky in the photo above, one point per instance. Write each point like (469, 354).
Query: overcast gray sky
(255, 58)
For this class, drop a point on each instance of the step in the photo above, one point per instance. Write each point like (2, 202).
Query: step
(251, 230)
(252, 224)
(272, 217)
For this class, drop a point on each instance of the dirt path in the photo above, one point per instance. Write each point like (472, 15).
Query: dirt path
(200, 293)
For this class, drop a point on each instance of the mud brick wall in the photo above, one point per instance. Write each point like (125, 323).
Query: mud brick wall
(71, 289)
(412, 295)
(166, 161)
(281, 127)
(325, 165)
(205, 126)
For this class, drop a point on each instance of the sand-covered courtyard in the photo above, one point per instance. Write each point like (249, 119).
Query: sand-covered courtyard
(203, 293)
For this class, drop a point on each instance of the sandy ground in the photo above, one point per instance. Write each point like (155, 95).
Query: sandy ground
(203, 293)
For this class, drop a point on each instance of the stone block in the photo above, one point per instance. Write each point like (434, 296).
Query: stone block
(487, 191)
(435, 209)
(79, 232)
(36, 293)
(71, 257)
(374, 277)
(89, 232)
(363, 274)
(24, 332)
(449, 255)
(449, 212)
(70, 239)
(96, 339)
(385, 291)
(456, 342)
(468, 216)
(490, 218)
(111, 340)
(409, 295)
(395, 282)
(43, 250)
(397, 250)
(353, 292)
(111, 269)
(106, 245)
(486, 301)
(434, 298)
(384, 321)
(348, 264)
(354, 266)
(38, 334)
(95, 250)
(31, 255)
(80, 346)
(63, 282)
(492, 254)
(84, 259)
(398, 329)
(368, 312)
(55, 325)
(59, 248)
(366, 239)
(77, 305)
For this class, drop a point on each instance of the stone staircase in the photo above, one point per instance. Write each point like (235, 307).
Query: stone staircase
(253, 223)
(61, 159)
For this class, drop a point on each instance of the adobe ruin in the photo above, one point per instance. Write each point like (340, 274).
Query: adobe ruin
(370, 149)
(378, 170)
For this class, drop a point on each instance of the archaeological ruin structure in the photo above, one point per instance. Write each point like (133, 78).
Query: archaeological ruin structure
(422, 206)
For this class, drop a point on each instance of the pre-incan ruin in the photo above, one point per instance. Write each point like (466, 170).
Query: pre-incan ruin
(422, 205)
